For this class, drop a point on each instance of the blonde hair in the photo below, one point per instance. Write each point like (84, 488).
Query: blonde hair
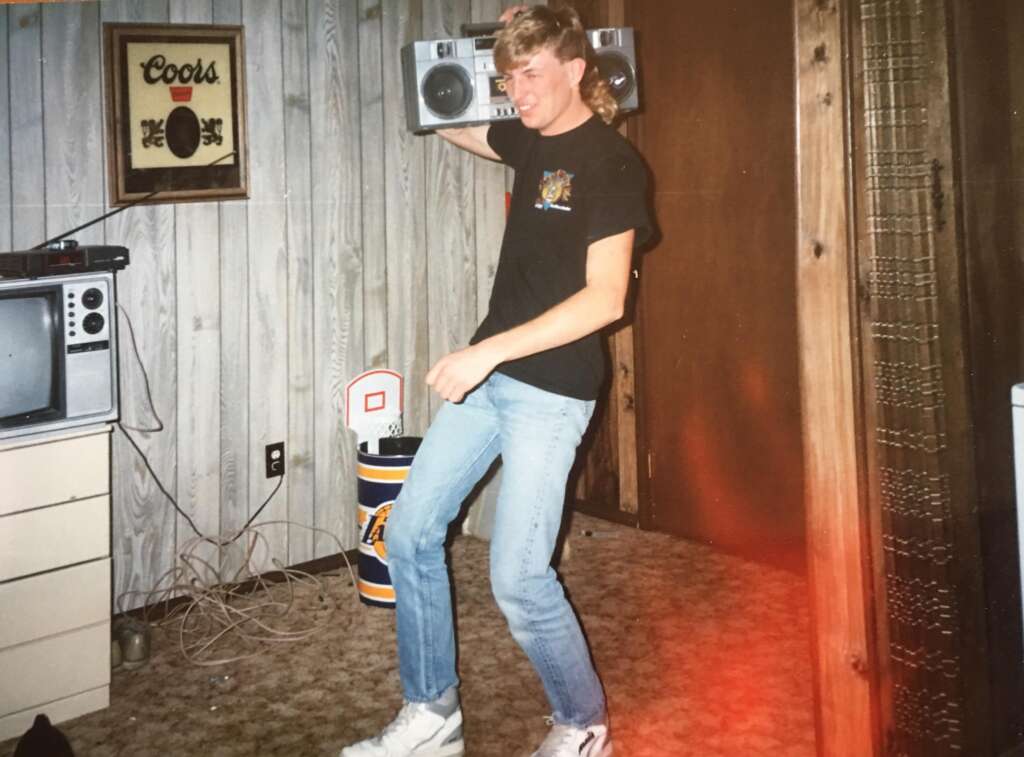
(561, 31)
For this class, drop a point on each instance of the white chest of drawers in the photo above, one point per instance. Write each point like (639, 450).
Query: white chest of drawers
(54, 577)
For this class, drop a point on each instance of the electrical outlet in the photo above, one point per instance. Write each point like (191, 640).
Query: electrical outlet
(275, 459)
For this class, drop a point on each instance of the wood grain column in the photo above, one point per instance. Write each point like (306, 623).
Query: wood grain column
(836, 532)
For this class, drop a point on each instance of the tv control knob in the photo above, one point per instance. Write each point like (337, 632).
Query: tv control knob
(93, 323)
(92, 298)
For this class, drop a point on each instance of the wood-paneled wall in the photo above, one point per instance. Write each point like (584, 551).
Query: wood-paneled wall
(360, 246)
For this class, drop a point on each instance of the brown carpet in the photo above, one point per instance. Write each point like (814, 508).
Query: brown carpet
(701, 654)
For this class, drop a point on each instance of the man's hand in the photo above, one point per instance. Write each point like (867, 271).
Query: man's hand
(454, 375)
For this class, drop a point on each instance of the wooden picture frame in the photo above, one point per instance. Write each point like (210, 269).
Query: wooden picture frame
(176, 113)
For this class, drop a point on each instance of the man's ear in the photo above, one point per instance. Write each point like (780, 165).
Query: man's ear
(576, 68)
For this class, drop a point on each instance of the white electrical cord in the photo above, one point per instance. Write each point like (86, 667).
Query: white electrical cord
(218, 615)
(217, 612)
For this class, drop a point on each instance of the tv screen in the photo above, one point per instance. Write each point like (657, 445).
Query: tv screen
(29, 355)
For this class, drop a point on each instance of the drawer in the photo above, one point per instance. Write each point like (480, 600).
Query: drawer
(55, 667)
(54, 602)
(53, 537)
(59, 710)
(54, 469)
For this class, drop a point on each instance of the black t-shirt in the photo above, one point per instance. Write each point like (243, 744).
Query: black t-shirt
(570, 190)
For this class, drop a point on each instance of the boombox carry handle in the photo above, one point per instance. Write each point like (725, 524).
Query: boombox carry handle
(482, 29)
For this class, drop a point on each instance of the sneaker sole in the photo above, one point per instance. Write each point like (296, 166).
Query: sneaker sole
(455, 749)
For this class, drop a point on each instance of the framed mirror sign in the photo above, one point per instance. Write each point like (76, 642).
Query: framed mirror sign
(175, 107)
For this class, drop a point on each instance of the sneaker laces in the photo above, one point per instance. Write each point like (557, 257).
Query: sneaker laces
(560, 737)
(392, 733)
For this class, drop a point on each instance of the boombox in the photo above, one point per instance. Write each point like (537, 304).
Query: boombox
(453, 82)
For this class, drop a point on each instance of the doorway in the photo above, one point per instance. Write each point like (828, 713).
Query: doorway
(717, 363)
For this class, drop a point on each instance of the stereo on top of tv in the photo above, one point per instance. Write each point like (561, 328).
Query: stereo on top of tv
(453, 82)
(62, 258)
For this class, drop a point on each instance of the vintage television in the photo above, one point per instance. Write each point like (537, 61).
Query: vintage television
(58, 352)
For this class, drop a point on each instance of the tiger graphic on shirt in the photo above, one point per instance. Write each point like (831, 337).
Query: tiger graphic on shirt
(555, 191)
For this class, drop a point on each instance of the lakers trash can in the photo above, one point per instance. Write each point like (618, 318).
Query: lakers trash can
(380, 478)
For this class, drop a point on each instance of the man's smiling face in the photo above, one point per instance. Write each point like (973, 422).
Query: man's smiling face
(542, 90)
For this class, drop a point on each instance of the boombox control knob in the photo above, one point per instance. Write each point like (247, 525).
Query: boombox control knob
(93, 323)
(92, 298)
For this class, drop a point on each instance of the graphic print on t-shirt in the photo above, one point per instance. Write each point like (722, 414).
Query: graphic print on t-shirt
(555, 190)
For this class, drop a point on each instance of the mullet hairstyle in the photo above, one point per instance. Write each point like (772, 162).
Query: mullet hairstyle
(561, 31)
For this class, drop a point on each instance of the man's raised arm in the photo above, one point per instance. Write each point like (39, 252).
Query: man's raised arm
(472, 138)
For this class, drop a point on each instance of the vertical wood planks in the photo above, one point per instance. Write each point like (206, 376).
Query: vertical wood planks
(373, 183)
(72, 140)
(28, 166)
(197, 292)
(623, 387)
(337, 276)
(144, 522)
(301, 357)
(836, 542)
(197, 285)
(190, 11)
(5, 138)
(235, 453)
(268, 266)
(449, 191)
(404, 203)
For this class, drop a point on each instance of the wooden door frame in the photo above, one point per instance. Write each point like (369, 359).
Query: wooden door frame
(839, 546)
(838, 532)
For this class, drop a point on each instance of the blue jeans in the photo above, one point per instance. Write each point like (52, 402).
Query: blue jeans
(536, 433)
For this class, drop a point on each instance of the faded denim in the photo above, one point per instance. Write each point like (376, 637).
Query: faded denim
(536, 433)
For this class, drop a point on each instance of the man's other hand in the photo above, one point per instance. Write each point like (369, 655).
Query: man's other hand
(457, 373)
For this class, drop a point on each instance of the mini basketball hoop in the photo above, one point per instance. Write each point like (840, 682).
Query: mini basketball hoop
(373, 406)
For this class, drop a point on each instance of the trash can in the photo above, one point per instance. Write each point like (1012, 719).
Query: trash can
(380, 478)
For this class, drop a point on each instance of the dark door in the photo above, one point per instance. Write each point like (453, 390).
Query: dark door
(717, 354)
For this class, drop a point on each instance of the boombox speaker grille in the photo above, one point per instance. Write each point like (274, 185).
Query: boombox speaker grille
(618, 72)
(447, 91)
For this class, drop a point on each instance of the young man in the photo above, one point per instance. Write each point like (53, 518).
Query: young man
(524, 389)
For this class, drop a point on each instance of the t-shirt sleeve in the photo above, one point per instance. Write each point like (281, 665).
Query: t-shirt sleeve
(509, 140)
(618, 200)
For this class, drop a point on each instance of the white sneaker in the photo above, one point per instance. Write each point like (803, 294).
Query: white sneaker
(570, 741)
(417, 731)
